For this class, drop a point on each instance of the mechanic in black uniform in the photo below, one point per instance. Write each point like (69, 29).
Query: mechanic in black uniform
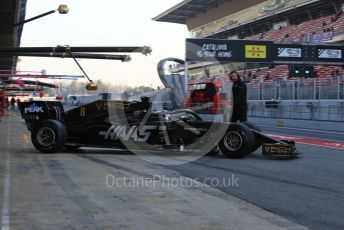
(13, 103)
(239, 98)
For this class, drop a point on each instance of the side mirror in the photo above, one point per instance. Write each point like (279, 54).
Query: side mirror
(91, 86)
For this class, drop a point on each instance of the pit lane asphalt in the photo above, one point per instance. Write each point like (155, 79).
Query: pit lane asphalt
(70, 191)
(308, 190)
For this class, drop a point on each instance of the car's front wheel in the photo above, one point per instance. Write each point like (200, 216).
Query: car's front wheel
(238, 142)
(49, 136)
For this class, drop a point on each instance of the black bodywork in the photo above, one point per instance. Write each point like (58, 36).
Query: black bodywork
(114, 124)
(87, 124)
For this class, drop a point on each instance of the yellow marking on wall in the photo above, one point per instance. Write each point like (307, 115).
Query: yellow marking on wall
(280, 122)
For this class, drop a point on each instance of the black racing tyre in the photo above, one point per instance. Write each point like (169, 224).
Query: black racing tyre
(238, 142)
(49, 136)
(251, 126)
(258, 144)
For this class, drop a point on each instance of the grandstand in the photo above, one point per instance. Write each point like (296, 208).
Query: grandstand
(305, 21)
(251, 19)
(276, 20)
(318, 96)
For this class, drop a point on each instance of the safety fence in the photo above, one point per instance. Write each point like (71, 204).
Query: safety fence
(299, 89)
(301, 110)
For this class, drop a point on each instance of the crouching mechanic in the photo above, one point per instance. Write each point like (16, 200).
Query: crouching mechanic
(239, 98)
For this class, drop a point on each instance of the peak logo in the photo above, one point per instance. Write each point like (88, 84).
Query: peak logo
(34, 108)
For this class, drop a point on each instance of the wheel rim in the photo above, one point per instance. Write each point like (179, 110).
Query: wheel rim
(233, 141)
(46, 137)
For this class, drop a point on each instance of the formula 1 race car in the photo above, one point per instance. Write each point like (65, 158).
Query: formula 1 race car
(132, 126)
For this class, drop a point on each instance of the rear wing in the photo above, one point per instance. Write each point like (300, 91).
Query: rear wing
(41, 110)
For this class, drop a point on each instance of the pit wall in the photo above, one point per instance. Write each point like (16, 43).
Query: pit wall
(327, 115)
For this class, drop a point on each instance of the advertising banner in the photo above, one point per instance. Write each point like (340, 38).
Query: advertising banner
(220, 50)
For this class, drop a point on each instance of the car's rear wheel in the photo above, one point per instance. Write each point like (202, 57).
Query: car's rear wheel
(254, 127)
(49, 136)
(238, 142)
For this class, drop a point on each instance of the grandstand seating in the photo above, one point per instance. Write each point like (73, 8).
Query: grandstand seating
(282, 72)
(279, 72)
(297, 32)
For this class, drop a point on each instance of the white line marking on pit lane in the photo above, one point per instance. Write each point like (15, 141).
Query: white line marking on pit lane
(322, 146)
(287, 136)
(309, 130)
(6, 191)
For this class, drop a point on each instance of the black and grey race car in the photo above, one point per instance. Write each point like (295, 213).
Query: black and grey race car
(133, 126)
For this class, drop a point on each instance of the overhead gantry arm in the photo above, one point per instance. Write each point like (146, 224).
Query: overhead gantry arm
(145, 50)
